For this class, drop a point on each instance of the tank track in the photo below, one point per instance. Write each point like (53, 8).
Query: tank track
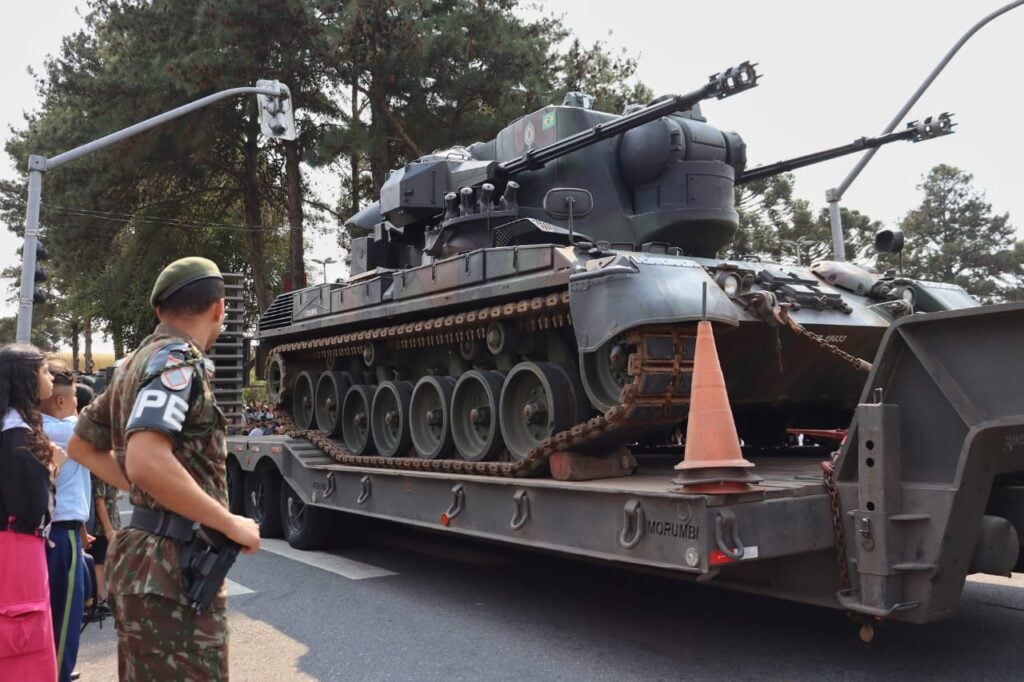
(657, 397)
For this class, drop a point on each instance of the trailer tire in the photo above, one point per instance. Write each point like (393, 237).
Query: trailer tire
(305, 526)
(236, 487)
(262, 489)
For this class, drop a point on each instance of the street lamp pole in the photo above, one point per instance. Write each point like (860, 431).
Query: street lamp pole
(276, 120)
(798, 245)
(324, 262)
(835, 195)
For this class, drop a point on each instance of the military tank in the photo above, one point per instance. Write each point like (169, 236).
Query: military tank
(540, 292)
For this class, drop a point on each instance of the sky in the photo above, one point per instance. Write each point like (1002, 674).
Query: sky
(832, 72)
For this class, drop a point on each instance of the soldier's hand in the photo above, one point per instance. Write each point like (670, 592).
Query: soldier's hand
(245, 532)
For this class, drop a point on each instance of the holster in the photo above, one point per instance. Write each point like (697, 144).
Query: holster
(205, 555)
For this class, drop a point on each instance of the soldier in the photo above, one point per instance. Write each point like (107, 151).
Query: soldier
(161, 421)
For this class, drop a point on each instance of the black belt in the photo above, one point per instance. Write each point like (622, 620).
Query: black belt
(66, 525)
(164, 523)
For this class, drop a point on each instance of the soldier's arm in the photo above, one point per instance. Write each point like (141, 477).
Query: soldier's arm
(158, 417)
(100, 462)
(153, 467)
(90, 445)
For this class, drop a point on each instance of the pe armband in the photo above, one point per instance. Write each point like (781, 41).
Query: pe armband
(162, 404)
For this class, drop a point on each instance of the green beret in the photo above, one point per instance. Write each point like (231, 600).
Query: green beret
(180, 273)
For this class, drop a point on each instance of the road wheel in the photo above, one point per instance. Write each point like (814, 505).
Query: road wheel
(236, 487)
(390, 418)
(605, 372)
(277, 378)
(475, 415)
(430, 419)
(305, 526)
(330, 393)
(303, 400)
(262, 490)
(535, 404)
(355, 420)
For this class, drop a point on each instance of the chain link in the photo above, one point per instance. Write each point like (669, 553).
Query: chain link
(857, 363)
(828, 474)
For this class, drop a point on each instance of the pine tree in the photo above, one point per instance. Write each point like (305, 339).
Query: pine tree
(954, 237)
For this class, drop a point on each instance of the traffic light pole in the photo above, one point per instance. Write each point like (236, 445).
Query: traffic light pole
(37, 165)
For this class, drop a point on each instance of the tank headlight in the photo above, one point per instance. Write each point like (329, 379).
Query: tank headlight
(908, 295)
(730, 283)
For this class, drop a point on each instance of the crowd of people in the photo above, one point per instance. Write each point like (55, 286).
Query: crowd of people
(260, 421)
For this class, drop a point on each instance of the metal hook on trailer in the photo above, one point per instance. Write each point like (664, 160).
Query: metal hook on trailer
(633, 520)
(455, 508)
(522, 510)
(366, 489)
(725, 523)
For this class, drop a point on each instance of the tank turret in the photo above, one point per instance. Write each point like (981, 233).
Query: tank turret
(649, 171)
(658, 174)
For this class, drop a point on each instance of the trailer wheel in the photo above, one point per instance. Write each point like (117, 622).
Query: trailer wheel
(236, 487)
(262, 490)
(305, 526)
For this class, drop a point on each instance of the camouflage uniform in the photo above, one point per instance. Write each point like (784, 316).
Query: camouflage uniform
(101, 490)
(159, 638)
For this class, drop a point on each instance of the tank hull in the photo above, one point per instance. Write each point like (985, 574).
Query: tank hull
(584, 312)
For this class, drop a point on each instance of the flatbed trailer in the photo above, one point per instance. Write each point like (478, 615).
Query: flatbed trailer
(928, 487)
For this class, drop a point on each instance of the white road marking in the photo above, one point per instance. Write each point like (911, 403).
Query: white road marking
(235, 589)
(348, 568)
(1016, 580)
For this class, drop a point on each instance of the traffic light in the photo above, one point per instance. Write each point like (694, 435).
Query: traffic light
(277, 117)
(39, 296)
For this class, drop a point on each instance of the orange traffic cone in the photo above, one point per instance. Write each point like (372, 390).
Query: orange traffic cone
(712, 462)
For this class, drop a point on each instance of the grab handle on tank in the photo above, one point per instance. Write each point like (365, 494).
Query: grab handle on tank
(633, 520)
(522, 510)
(725, 524)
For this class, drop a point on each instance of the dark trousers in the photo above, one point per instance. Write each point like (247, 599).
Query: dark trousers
(66, 564)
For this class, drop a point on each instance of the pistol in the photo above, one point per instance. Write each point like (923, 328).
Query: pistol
(205, 562)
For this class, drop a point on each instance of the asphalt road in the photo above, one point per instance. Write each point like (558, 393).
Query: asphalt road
(404, 605)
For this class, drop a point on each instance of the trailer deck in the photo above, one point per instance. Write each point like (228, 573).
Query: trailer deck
(641, 519)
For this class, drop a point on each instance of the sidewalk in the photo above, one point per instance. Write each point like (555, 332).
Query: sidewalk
(258, 651)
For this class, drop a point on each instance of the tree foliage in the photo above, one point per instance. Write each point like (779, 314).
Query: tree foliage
(374, 84)
(954, 236)
(776, 225)
(47, 332)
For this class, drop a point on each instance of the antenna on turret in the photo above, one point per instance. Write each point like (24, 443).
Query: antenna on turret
(570, 202)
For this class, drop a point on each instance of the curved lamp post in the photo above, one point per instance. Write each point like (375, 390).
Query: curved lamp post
(834, 195)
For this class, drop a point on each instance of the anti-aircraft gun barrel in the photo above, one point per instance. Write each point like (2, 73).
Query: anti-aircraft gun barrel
(916, 131)
(721, 85)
